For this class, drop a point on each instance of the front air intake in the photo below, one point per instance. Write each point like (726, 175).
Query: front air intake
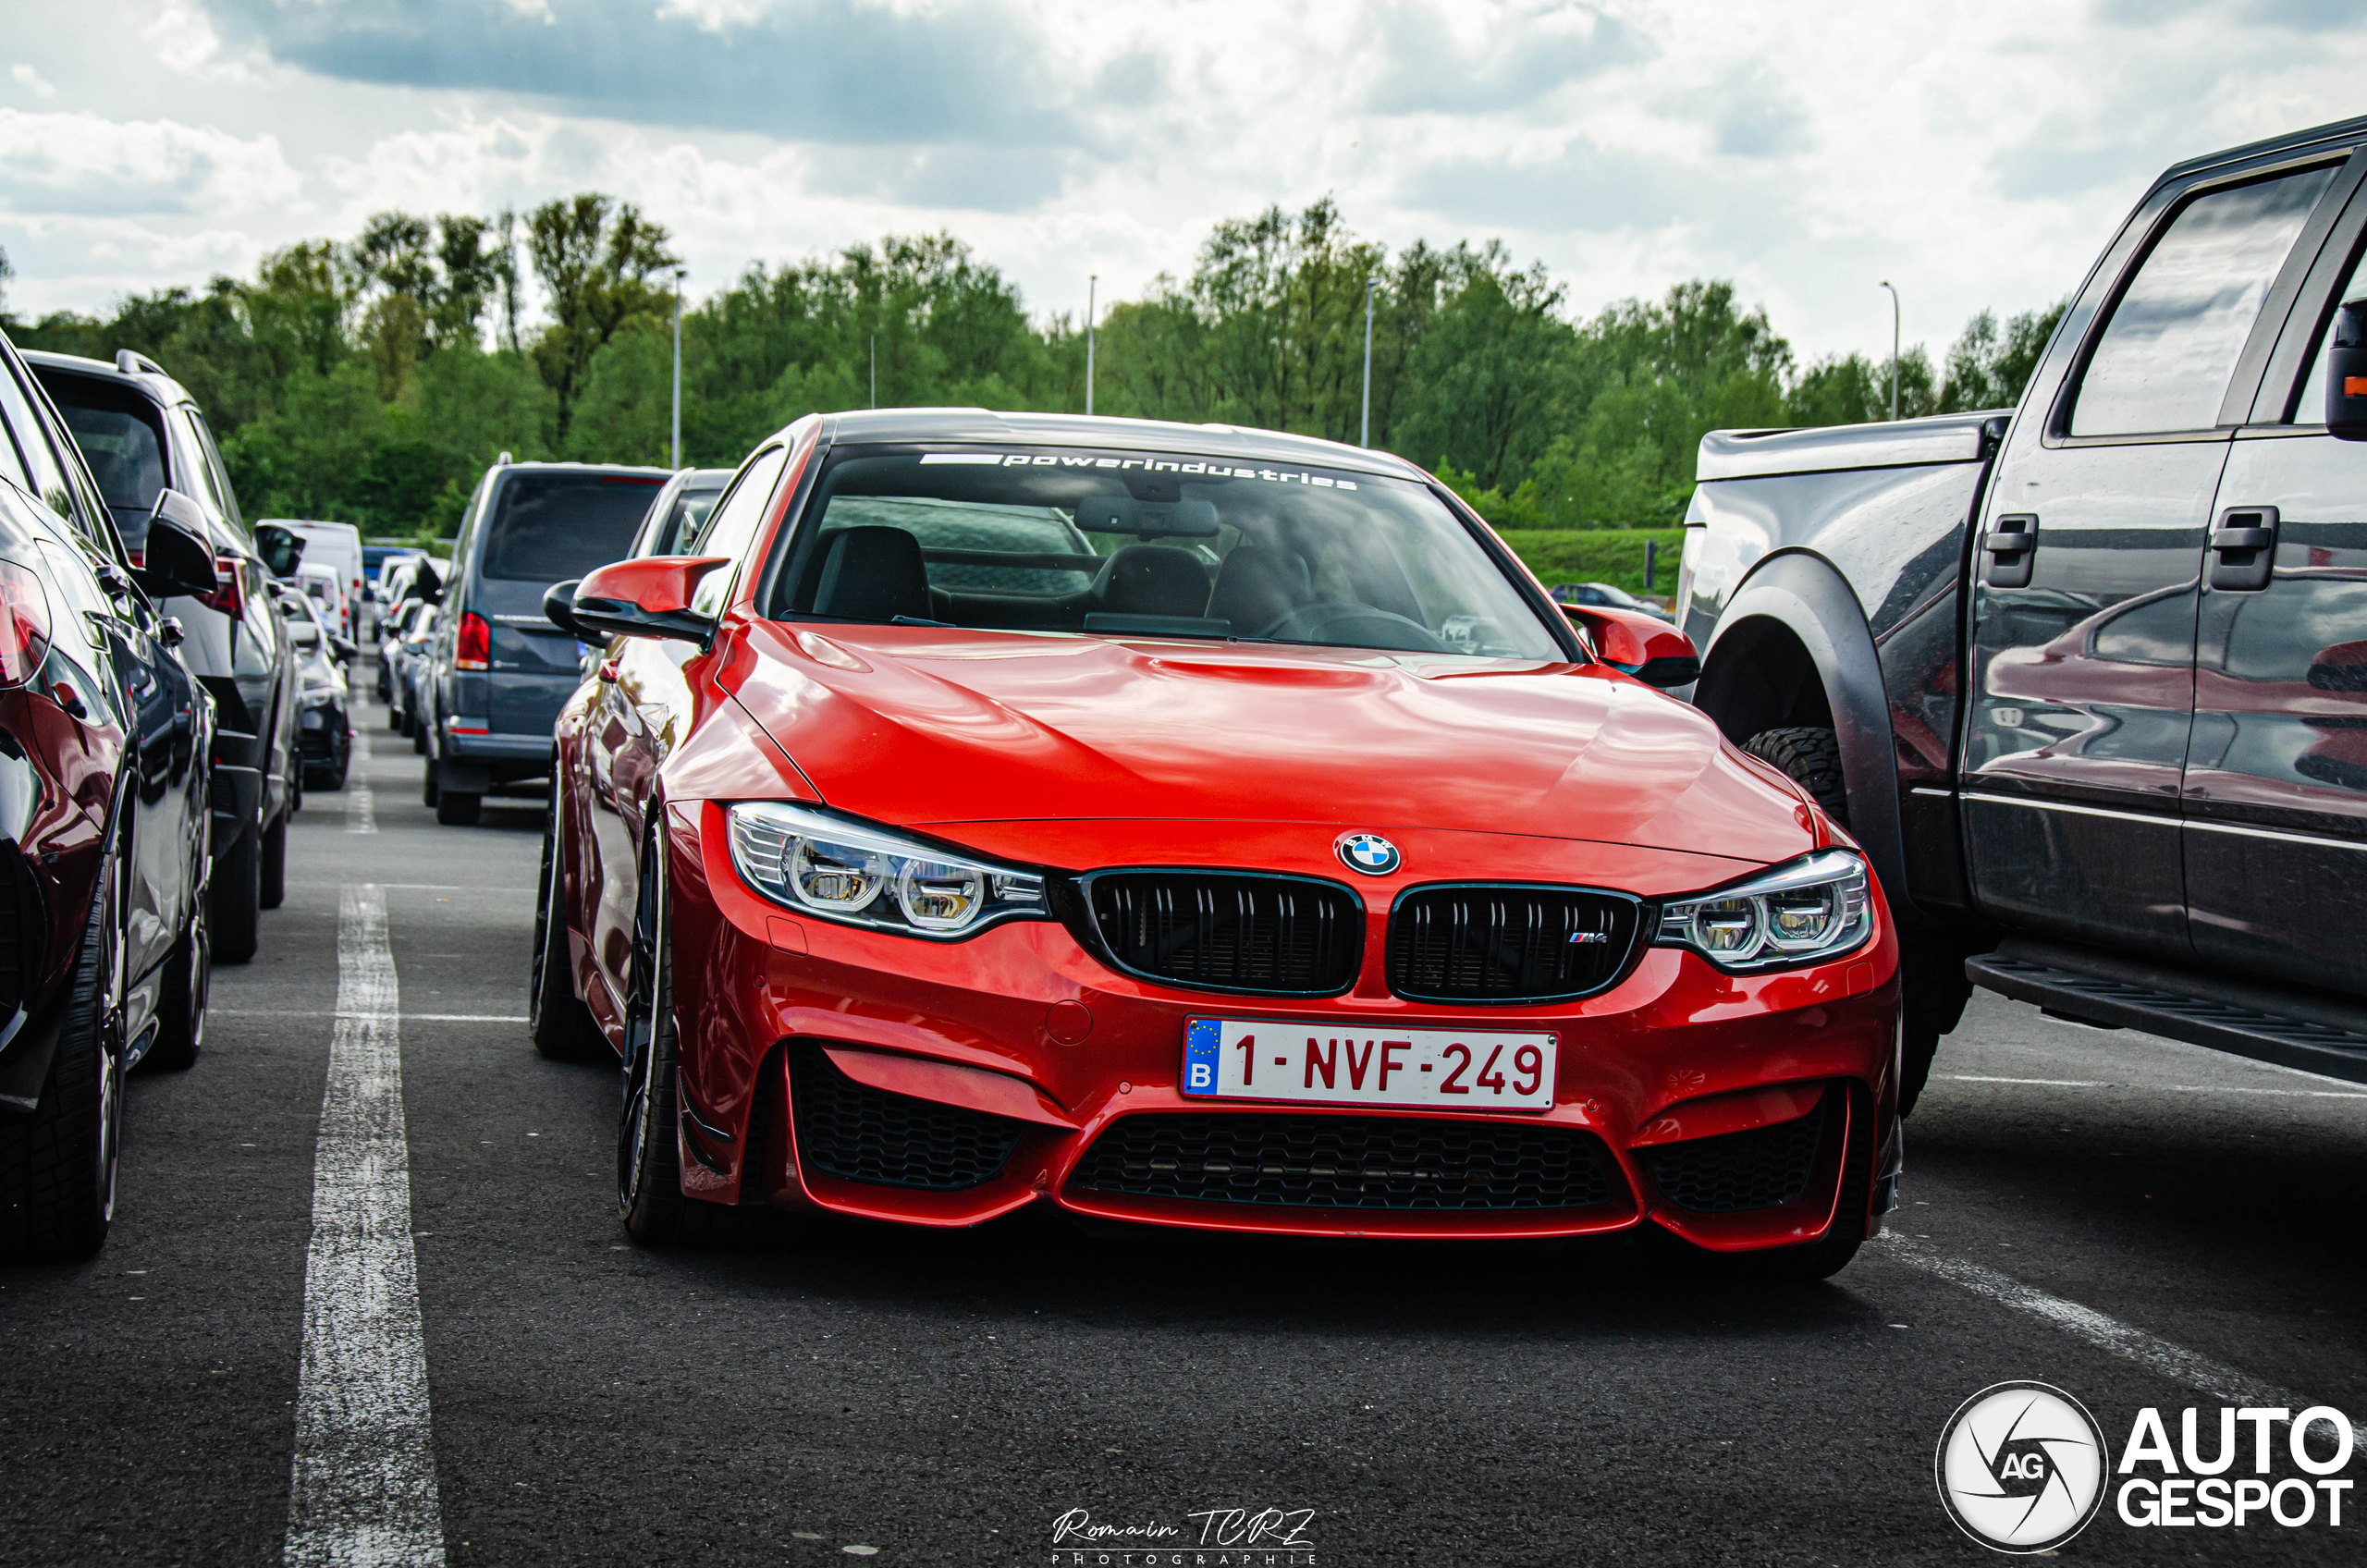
(1228, 931)
(858, 1133)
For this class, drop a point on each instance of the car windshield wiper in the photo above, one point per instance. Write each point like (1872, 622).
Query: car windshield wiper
(916, 621)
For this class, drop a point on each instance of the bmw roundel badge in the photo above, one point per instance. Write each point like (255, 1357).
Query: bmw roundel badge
(1368, 853)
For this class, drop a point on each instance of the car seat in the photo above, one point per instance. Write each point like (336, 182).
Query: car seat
(873, 573)
(1152, 580)
(1257, 585)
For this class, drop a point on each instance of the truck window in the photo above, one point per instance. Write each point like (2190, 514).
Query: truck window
(2309, 408)
(2166, 356)
(553, 525)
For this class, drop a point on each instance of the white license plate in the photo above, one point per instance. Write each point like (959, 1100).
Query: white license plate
(1445, 1068)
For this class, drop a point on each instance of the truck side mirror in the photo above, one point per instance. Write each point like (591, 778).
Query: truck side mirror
(2347, 374)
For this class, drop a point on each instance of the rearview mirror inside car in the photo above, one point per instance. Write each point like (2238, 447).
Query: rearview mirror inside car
(2347, 374)
(1635, 643)
(176, 557)
(649, 597)
(1146, 520)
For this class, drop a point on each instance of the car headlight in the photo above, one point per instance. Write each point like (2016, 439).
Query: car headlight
(817, 864)
(1813, 909)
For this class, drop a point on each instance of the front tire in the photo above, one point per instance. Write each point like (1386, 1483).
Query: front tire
(649, 1172)
(235, 917)
(189, 985)
(271, 890)
(457, 808)
(560, 1025)
(1810, 756)
(59, 1168)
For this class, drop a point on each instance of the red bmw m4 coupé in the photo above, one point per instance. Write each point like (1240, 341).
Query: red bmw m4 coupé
(1188, 826)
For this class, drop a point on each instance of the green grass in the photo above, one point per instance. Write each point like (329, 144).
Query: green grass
(1598, 555)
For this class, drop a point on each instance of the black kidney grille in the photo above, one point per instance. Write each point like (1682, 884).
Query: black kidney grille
(858, 1134)
(1350, 1162)
(1497, 944)
(1279, 934)
(1765, 1168)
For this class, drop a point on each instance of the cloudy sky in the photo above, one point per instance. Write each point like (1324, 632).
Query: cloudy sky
(1974, 154)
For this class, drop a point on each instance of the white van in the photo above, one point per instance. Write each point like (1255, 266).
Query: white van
(337, 544)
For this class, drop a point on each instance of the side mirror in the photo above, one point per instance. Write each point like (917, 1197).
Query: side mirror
(559, 606)
(427, 585)
(649, 597)
(343, 647)
(280, 548)
(303, 634)
(178, 558)
(2347, 374)
(1635, 643)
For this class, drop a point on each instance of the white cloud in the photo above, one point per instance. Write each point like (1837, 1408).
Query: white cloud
(27, 77)
(1979, 154)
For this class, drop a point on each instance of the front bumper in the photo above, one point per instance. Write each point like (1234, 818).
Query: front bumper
(882, 1076)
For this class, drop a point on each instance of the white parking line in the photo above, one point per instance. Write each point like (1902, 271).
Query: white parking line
(2172, 1088)
(2221, 1382)
(414, 1017)
(361, 1492)
(360, 807)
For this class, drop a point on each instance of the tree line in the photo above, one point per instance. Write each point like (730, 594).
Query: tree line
(371, 380)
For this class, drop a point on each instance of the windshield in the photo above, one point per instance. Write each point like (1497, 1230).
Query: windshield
(1158, 544)
(684, 519)
(550, 527)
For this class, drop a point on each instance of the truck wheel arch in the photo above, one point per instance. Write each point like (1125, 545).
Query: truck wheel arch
(1793, 609)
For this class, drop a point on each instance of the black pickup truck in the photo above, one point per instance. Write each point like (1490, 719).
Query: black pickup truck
(2088, 678)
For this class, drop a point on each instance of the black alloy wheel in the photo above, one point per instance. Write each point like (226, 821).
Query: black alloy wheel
(560, 1025)
(58, 1167)
(649, 1173)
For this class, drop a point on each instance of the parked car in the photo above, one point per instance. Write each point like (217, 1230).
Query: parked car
(141, 433)
(1606, 593)
(336, 547)
(324, 720)
(410, 661)
(500, 673)
(679, 511)
(2084, 677)
(393, 626)
(326, 587)
(105, 788)
(1389, 903)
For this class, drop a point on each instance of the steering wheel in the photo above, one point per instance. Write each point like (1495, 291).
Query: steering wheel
(1359, 626)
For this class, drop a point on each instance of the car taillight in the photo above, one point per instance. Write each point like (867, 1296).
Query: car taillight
(24, 624)
(473, 648)
(229, 593)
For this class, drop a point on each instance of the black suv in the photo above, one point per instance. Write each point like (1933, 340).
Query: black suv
(141, 432)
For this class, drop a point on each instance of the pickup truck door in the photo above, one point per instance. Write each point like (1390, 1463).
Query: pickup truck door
(2277, 774)
(2085, 581)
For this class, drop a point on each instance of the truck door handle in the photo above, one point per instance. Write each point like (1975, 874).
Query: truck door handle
(2243, 549)
(2012, 542)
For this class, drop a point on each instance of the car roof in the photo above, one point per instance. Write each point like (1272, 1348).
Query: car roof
(986, 427)
(636, 470)
(160, 386)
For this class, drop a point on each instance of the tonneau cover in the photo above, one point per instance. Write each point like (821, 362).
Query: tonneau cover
(1907, 443)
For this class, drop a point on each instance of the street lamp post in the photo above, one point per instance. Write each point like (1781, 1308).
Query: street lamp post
(1894, 351)
(1092, 284)
(1363, 435)
(678, 367)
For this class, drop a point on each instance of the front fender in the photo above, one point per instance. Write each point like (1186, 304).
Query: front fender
(1805, 597)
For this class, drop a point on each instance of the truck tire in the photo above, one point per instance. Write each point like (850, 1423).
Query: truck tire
(271, 889)
(1811, 757)
(57, 1167)
(236, 916)
(1931, 975)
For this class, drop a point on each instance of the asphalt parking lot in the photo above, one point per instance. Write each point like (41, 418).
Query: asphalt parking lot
(2138, 1223)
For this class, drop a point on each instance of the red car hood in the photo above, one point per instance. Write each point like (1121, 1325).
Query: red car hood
(921, 726)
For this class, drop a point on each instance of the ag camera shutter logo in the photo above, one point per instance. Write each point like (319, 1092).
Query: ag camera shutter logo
(2021, 1467)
